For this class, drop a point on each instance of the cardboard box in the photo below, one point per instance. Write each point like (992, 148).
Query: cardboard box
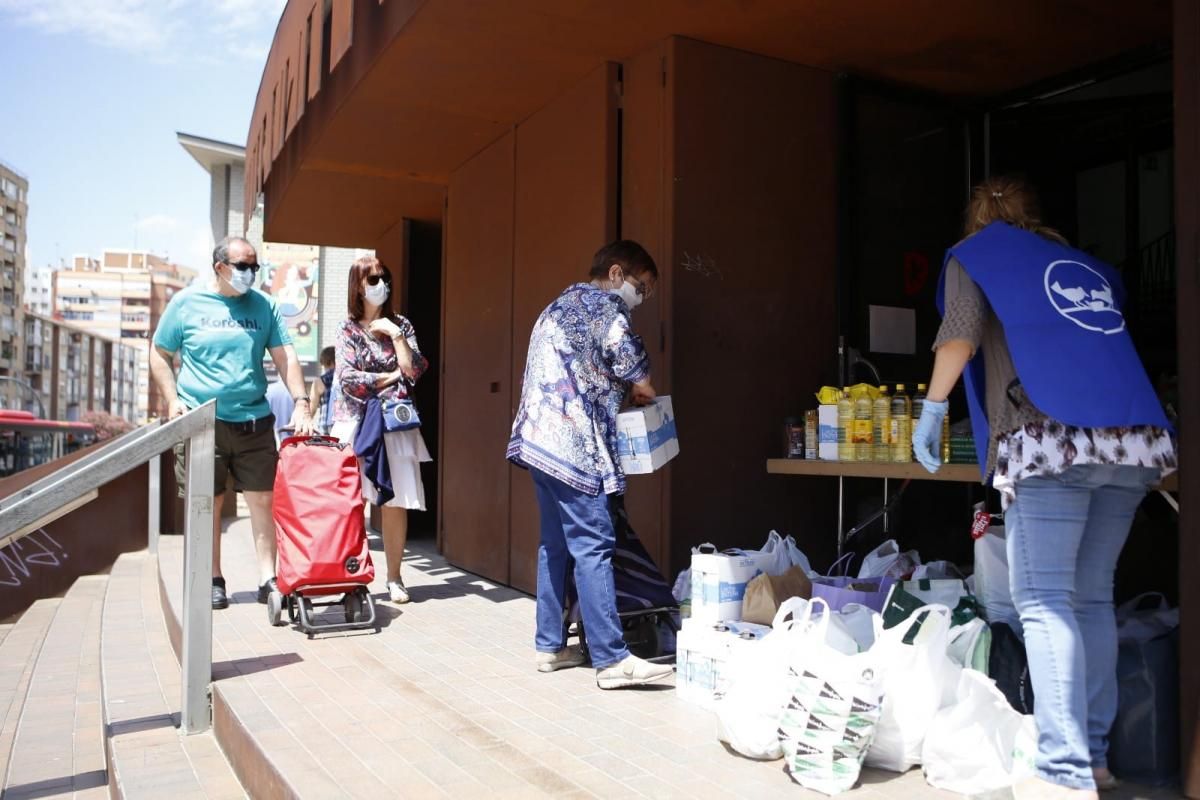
(827, 447)
(702, 654)
(646, 437)
(719, 584)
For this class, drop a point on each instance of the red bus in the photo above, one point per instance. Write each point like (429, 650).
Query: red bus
(27, 441)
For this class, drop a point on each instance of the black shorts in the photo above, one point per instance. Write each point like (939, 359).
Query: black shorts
(245, 450)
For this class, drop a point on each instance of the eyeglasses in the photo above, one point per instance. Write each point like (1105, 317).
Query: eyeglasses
(373, 280)
(642, 290)
(250, 265)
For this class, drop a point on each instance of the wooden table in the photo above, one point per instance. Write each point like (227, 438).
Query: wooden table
(958, 473)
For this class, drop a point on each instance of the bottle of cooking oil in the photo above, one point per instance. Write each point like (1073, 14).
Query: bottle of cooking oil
(881, 425)
(918, 403)
(946, 438)
(863, 435)
(901, 438)
(845, 424)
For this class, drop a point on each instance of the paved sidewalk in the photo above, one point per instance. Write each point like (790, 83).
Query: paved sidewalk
(446, 701)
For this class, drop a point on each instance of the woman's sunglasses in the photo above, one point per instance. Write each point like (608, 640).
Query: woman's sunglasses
(373, 280)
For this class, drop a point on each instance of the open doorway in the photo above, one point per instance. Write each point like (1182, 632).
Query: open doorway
(423, 306)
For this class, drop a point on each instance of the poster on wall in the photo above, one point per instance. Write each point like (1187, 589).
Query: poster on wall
(291, 274)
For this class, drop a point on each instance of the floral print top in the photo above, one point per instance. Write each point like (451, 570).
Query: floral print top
(582, 358)
(1050, 447)
(360, 358)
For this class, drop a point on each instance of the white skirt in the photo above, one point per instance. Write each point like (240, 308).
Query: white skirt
(405, 451)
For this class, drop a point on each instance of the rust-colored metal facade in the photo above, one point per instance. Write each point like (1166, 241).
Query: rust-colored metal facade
(533, 131)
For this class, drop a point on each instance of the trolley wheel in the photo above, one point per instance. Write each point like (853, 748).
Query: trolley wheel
(275, 608)
(353, 605)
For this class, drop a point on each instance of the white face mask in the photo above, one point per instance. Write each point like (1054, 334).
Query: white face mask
(240, 280)
(628, 292)
(376, 295)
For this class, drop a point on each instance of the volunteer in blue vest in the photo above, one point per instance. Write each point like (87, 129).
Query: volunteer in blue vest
(222, 329)
(583, 361)
(1070, 432)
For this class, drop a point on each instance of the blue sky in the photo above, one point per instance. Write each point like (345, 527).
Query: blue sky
(94, 92)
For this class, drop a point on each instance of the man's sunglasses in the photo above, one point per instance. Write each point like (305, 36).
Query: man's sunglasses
(373, 280)
(250, 265)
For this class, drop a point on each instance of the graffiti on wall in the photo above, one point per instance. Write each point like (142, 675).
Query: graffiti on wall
(18, 560)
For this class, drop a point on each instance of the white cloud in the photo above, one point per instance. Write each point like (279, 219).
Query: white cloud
(157, 223)
(159, 29)
(135, 25)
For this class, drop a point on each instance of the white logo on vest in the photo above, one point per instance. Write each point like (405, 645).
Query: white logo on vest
(1082, 295)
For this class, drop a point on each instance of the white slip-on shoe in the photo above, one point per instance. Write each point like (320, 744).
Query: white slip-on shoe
(567, 657)
(633, 671)
(396, 592)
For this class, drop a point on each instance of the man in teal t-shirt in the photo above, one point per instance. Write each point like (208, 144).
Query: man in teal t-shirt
(221, 331)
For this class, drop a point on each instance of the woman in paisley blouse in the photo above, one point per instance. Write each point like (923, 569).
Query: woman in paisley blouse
(1071, 494)
(377, 356)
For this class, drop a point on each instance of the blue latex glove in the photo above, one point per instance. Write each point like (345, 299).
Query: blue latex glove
(927, 438)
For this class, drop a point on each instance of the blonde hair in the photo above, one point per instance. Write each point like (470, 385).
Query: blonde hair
(1006, 199)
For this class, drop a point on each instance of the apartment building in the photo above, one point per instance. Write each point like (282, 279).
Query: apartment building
(72, 370)
(120, 296)
(14, 188)
(39, 288)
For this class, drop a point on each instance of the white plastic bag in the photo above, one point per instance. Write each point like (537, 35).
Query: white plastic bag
(773, 558)
(919, 677)
(682, 590)
(829, 721)
(797, 557)
(886, 561)
(971, 644)
(936, 570)
(759, 686)
(991, 579)
(1141, 621)
(979, 743)
(937, 591)
(861, 623)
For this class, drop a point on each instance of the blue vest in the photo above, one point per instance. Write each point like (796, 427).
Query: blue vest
(1061, 312)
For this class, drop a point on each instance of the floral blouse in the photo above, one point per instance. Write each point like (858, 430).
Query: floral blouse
(582, 358)
(360, 358)
(1049, 448)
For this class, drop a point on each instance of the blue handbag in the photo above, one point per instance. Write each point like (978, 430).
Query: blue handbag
(399, 415)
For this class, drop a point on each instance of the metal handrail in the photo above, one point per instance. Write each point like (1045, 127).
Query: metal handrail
(22, 511)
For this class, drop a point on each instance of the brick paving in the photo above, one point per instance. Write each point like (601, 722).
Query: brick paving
(58, 749)
(149, 756)
(18, 657)
(446, 702)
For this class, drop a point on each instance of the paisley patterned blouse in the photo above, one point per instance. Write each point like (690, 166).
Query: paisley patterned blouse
(360, 357)
(582, 358)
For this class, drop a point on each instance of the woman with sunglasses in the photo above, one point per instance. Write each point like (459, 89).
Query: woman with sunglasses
(377, 357)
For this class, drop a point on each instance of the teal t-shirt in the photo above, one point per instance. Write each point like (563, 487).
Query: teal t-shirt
(221, 343)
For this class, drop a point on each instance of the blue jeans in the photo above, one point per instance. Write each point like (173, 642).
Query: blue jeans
(1064, 537)
(576, 525)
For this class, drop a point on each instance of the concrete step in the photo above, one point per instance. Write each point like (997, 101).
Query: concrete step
(58, 750)
(148, 757)
(18, 655)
